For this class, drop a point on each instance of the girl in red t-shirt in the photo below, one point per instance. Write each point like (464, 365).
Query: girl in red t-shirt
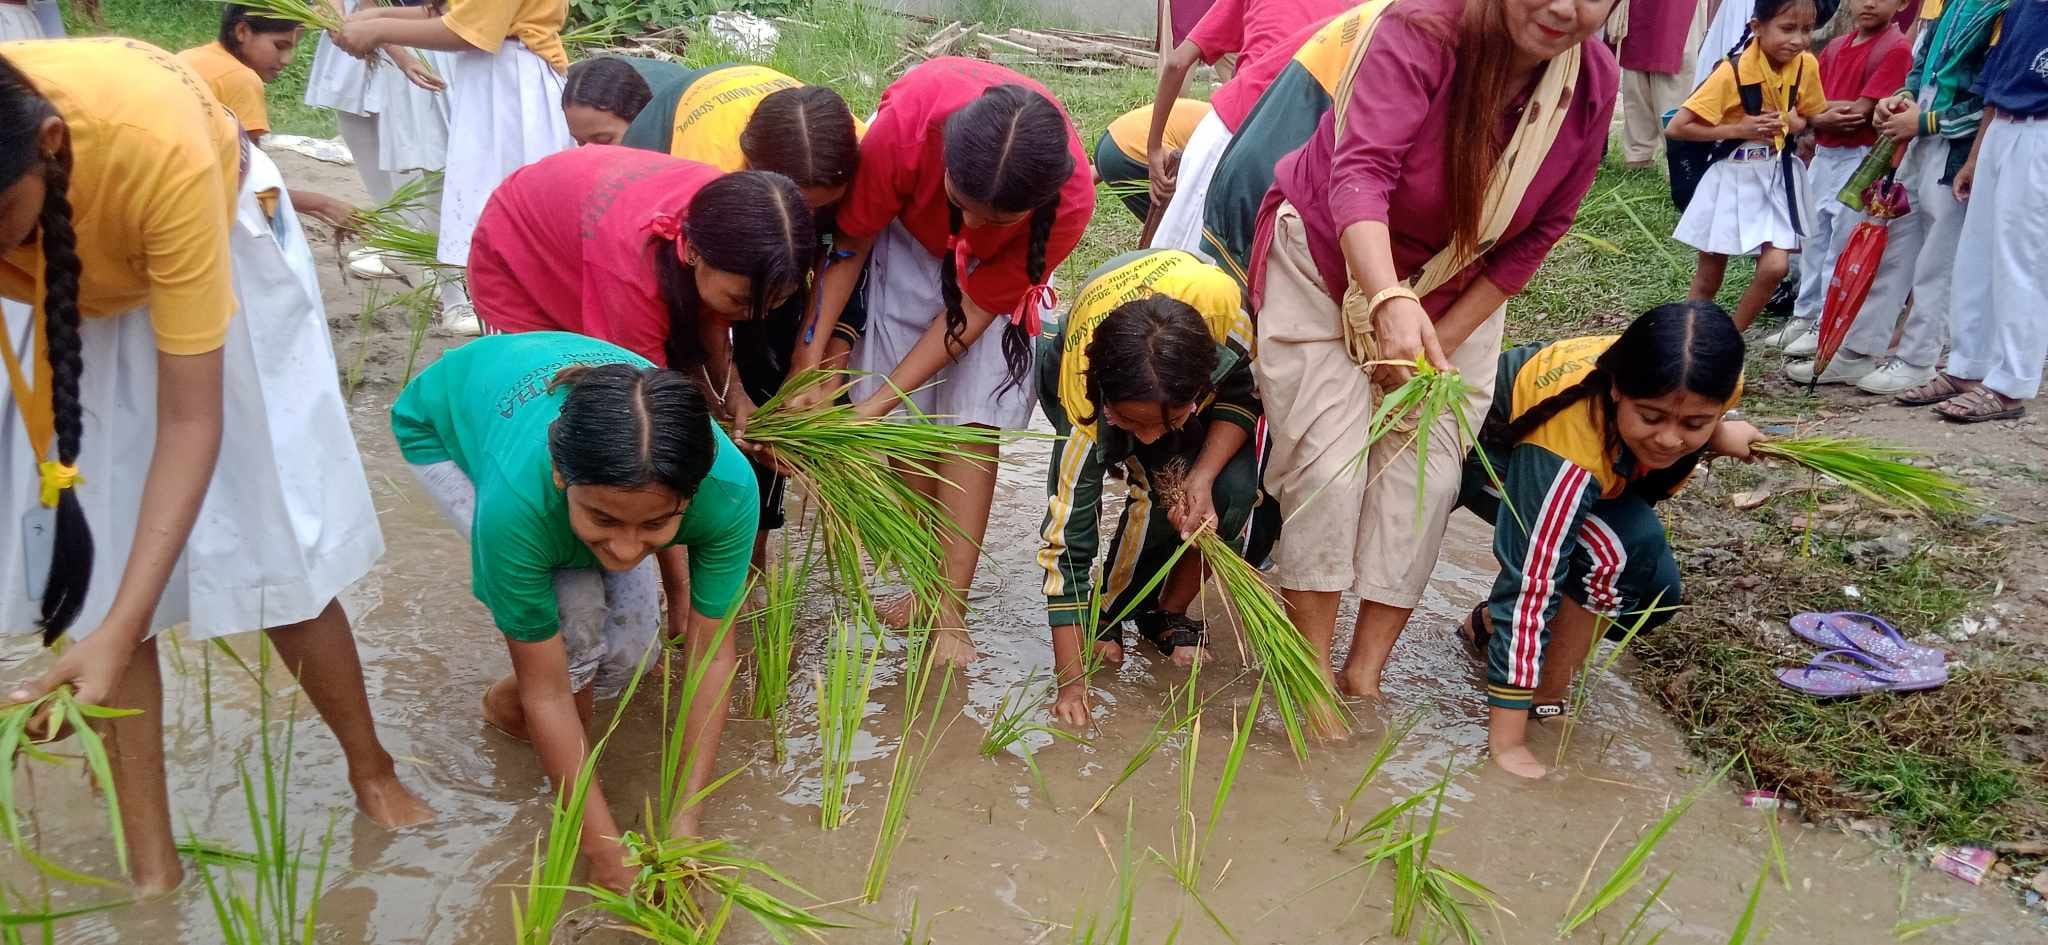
(973, 186)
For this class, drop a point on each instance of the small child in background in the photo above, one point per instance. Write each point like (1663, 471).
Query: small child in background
(1755, 200)
(1856, 71)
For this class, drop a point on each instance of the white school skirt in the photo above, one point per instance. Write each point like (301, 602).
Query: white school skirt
(903, 299)
(287, 521)
(1742, 204)
(1180, 225)
(336, 79)
(19, 23)
(505, 112)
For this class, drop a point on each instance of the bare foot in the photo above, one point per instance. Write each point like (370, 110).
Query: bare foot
(1360, 684)
(1187, 656)
(895, 612)
(1328, 724)
(502, 710)
(153, 881)
(1071, 707)
(1110, 652)
(385, 799)
(952, 647)
(1519, 761)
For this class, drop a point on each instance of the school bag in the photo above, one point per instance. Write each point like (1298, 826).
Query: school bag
(1688, 160)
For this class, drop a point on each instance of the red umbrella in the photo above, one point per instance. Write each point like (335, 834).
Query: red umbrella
(1884, 200)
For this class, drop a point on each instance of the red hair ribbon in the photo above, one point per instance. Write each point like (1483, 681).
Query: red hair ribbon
(666, 226)
(958, 247)
(1030, 309)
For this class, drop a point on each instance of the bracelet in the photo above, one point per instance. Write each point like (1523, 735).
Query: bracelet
(1399, 290)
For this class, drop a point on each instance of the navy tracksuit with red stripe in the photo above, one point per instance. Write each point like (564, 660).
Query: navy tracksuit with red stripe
(1581, 527)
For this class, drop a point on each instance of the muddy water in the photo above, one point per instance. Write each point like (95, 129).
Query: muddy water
(994, 858)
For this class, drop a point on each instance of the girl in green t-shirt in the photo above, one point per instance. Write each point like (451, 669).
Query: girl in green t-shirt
(570, 462)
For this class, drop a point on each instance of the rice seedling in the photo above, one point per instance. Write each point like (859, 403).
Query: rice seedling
(1634, 866)
(671, 874)
(1191, 841)
(277, 908)
(1420, 401)
(842, 701)
(1877, 471)
(1596, 666)
(1089, 927)
(1739, 935)
(1301, 687)
(311, 14)
(1632, 934)
(604, 31)
(1013, 725)
(1777, 845)
(62, 714)
(910, 762)
(391, 227)
(1181, 712)
(1420, 884)
(678, 744)
(1389, 741)
(775, 641)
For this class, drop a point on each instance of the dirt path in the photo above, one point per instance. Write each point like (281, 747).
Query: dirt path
(991, 856)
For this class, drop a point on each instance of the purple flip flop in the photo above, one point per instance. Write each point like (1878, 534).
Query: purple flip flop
(1846, 672)
(1848, 630)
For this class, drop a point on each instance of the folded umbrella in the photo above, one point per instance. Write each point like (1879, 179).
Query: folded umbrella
(1856, 269)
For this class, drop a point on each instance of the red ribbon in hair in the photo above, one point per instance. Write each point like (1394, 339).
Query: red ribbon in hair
(1031, 308)
(958, 247)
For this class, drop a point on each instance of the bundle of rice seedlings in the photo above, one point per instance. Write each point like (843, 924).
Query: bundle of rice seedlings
(1428, 395)
(1877, 471)
(674, 871)
(311, 14)
(1301, 688)
(910, 761)
(65, 715)
(775, 643)
(390, 227)
(1633, 867)
(842, 701)
(602, 32)
(865, 508)
(678, 753)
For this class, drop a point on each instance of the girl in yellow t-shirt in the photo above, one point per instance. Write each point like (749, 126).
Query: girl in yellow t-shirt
(504, 91)
(130, 199)
(1754, 201)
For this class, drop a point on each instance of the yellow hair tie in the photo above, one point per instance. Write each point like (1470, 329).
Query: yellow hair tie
(56, 478)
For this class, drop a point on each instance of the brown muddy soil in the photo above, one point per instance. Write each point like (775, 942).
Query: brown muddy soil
(990, 857)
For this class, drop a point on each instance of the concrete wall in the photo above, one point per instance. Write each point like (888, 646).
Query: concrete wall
(1124, 16)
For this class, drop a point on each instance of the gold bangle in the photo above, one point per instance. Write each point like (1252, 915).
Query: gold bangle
(1398, 290)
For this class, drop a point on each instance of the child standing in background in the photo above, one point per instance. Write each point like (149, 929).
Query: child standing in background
(504, 91)
(1754, 201)
(1856, 72)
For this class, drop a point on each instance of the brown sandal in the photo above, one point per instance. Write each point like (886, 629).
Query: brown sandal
(1978, 405)
(1943, 388)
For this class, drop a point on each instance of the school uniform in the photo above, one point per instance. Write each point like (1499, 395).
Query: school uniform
(232, 83)
(394, 129)
(700, 113)
(1951, 53)
(18, 21)
(1289, 109)
(2002, 256)
(1584, 527)
(1089, 448)
(1258, 31)
(1364, 533)
(1656, 56)
(1851, 68)
(475, 427)
(185, 252)
(504, 104)
(1120, 158)
(1754, 197)
(899, 200)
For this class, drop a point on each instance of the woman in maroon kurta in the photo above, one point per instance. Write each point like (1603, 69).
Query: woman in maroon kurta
(1442, 85)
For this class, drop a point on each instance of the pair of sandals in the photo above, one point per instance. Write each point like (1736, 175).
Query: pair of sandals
(1478, 636)
(1168, 632)
(1862, 654)
(1961, 401)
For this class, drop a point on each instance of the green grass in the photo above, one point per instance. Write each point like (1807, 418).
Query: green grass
(182, 24)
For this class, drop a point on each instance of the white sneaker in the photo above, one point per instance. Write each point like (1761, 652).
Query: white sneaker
(1844, 369)
(1793, 328)
(369, 264)
(1894, 377)
(1804, 346)
(461, 319)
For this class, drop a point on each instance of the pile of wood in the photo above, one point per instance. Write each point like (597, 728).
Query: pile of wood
(1078, 50)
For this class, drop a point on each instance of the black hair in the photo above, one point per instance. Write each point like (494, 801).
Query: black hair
(234, 13)
(1689, 346)
(1764, 12)
(752, 223)
(1007, 149)
(608, 85)
(627, 427)
(1155, 349)
(23, 111)
(805, 134)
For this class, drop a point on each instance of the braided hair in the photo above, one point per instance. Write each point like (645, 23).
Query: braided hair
(1007, 149)
(1688, 346)
(23, 113)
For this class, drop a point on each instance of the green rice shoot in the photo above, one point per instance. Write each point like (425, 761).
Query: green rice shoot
(673, 872)
(774, 643)
(1421, 400)
(1389, 742)
(66, 715)
(920, 722)
(842, 702)
(391, 226)
(1880, 472)
(1015, 722)
(678, 754)
(311, 14)
(1182, 710)
(1596, 666)
(1301, 688)
(1634, 866)
(1740, 935)
(20, 916)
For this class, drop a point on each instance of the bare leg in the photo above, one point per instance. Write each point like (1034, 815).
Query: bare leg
(321, 653)
(504, 712)
(706, 723)
(966, 502)
(1372, 641)
(1314, 613)
(135, 751)
(1507, 739)
(1771, 267)
(1571, 638)
(1706, 278)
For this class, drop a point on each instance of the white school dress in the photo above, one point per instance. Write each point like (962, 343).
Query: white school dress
(411, 131)
(505, 112)
(19, 22)
(1180, 224)
(1744, 201)
(287, 521)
